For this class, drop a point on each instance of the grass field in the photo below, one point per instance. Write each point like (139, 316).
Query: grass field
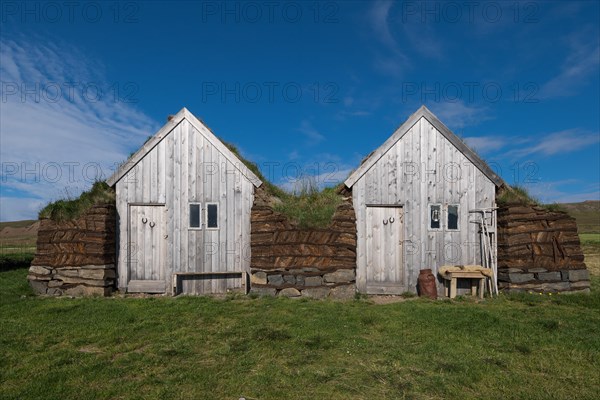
(586, 213)
(513, 347)
(18, 237)
(590, 244)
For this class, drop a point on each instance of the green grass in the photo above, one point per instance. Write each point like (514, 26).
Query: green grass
(312, 209)
(520, 195)
(68, 209)
(590, 244)
(590, 238)
(587, 214)
(515, 195)
(513, 347)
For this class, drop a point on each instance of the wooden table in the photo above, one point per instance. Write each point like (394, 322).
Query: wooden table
(450, 279)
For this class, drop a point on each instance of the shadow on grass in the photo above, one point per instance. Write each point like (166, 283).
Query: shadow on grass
(9, 262)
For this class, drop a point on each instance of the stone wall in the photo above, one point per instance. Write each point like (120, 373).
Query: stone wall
(293, 262)
(539, 251)
(76, 257)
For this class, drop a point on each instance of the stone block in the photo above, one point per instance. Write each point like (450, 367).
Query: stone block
(97, 273)
(344, 292)
(275, 279)
(39, 277)
(310, 269)
(263, 291)
(258, 278)
(537, 270)
(515, 278)
(70, 272)
(580, 285)
(513, 270)
(289, 292)
(556, 287)
(38, 287)
(313, 281)
(39, 270)
(316, 292)
(549, 276)
(341, 275)
(579, 275)
(99, 266)
(300, 280)
(54, 292)
(564, 274)
(78, 281)
(54, 283)
(289, 279)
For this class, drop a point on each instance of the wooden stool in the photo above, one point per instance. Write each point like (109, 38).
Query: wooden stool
(450, 279)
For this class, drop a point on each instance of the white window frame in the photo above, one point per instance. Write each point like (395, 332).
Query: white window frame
(199, 227)
(430, 220)
(457, 217)
(206, 217)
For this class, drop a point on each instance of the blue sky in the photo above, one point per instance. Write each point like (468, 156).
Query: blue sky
(302, 88)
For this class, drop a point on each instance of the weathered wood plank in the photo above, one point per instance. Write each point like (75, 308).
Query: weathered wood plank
(147, 286)
(431, 170)
(423, 112)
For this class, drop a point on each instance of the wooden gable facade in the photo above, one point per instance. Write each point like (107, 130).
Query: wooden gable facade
(183, 204)
(413, 198)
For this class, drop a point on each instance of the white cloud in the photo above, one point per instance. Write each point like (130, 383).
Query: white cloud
(59, 134)
(19, 208)
(344, 114)
(485, 144)
(392, 61)
(458, 115)
(378, 18)
(313, 135)
(551, 192)
(423, 38)
(581, 63)
(557, 142)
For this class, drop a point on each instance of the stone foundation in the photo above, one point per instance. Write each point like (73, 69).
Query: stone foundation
(77, 257)
(539, 251)
(294, 262)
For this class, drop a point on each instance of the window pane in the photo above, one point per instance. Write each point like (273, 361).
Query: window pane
(211, 217)
(194, 215)
(452, 217)
(434, 216)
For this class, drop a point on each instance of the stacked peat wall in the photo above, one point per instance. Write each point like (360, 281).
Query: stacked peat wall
(293, 262)
(76, 257)
(539, 251)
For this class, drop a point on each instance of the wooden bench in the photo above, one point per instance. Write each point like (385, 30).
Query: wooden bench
(243, 274)
(451, 277)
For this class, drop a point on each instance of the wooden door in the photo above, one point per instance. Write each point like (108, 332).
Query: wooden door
(385, 251)
(147, 250)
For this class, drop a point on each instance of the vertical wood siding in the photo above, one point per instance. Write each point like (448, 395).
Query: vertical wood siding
(423, 167)
(185, 167)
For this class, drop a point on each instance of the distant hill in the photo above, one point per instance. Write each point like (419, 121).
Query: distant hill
(18, 233)
(587, 214)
